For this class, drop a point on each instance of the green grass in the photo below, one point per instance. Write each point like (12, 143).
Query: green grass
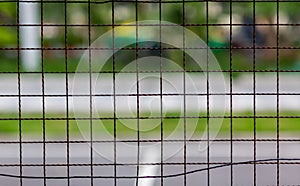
(29, 126)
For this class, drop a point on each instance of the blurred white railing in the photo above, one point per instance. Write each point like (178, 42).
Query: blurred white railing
(55, 85)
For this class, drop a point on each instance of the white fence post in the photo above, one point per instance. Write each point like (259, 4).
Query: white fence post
(30, 36)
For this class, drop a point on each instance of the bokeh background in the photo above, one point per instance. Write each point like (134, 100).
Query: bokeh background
(199, 17)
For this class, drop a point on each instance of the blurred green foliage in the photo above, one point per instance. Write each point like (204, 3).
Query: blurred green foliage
(8, 34)
(78, 16)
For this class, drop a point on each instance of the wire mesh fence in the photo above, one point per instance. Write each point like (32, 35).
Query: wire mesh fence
(125, 92)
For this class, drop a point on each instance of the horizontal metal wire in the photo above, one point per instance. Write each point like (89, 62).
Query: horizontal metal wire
(134, 164)
(166, 71)
(150, 25)
(153, 48)
(143, 1)
(152, 117)
(268, 161)
(153, 94)
(92, 2)
(220, 140)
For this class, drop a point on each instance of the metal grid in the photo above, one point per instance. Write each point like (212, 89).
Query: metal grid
(207, 166)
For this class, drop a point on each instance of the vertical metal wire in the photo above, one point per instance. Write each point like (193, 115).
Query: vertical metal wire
(207, 94)
(67, 91)
(43, 93)
(137, 89)
(19, 97)
(91, 95)
(114, 90)
(184, 94)
(254, 92)
(161, 99)
(230, 92)
(277, 96)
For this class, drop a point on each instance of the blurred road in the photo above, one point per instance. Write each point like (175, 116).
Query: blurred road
(219, 152)
(55, 91)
